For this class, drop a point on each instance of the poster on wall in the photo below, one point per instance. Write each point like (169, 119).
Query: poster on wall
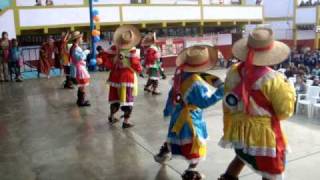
(170, 47)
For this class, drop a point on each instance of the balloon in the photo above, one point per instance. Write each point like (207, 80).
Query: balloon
(96, 38)
(95, 33)
(99, 61)
(95, 12)
(93, 62)
(96, 18)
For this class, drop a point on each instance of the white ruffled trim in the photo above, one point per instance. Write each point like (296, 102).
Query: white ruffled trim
(263, 174)
(83, 85)
(118, 85)
(154, 78)
(253, 151)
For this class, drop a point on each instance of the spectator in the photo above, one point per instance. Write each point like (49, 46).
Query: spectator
(38, 3)
(316, 82)
(5, 45)
(300, 86)
(316, 71)
(103, 56)
(15, 61)
(49, 2)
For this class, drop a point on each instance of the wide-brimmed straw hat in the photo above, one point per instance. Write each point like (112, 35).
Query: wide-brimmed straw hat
(126, 36)
(198, 58)
(75, 35)
(266, 50)
(149, 39)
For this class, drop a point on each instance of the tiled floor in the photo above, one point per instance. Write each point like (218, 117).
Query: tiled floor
(45, 136)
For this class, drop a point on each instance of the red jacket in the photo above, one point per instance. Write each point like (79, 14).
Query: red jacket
(122, 66)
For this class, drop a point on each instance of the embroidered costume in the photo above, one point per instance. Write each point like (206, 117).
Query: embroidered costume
(124, 67)
(191, 93)
(256, 99)
(152, 63)
(78, 60)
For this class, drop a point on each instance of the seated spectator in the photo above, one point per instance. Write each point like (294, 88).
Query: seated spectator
(316, 71)
(291, 71)
(300, 85)
(104, 56)
(316, 82)
(38, 3)
(49, 2)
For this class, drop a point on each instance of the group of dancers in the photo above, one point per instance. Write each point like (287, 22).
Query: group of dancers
(255, 98)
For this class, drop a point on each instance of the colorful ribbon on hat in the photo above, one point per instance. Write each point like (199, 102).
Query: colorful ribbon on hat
(245, 93)
(177, 79)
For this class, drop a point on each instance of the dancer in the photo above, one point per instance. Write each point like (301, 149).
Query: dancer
(123, 69)
(256, 99)
(152, 63)
(191, 93)
(47, 56)
(65, 60)
(78, 59)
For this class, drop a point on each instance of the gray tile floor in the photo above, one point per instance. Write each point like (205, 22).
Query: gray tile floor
(44, 136)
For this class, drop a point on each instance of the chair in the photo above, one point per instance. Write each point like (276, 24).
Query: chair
(316, 106)
(309, 82)
(292, 80)
(308, 99)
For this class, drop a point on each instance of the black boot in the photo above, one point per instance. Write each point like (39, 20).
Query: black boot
(81, 101)
(79, 97)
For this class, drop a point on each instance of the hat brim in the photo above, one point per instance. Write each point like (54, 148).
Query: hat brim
(118, 33)
(76, 37)
(277, 54)
(213, 57)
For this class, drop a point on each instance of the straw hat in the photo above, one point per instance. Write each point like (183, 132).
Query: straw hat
(76, 35)
(268, 51)
(197, 58)
(126, 36)
(149, 39)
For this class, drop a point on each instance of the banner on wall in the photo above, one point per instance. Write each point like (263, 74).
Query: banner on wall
(212, 40)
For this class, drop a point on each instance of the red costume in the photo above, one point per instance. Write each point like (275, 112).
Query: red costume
(123, 81)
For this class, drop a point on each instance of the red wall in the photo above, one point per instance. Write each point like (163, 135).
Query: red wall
(290, 43)
(305, 43)
(226, 51)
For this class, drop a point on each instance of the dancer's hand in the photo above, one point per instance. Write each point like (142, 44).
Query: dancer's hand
(217, 82)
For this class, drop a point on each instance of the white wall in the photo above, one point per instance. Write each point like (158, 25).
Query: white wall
(306, 34)
(7, 23)
(161, 13)
(174, 1)
(61, 16)
(279, 8)
(56, 2)
(232, 13)
(306, 15)
(282, 30)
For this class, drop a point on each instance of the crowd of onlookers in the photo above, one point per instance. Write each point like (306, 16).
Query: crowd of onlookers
(304, 67)
(304, 3)
(44, 3)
